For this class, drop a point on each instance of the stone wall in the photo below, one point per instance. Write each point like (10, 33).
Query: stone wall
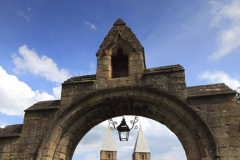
(25, 142)
(221, 113)
(170, 78)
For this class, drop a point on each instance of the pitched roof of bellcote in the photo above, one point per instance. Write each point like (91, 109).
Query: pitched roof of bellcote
(119, 22)
(120, 27)
(141, 143)
(108, 143)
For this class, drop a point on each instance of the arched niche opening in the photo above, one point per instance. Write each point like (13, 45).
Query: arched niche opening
(119, 64)
(162, 142)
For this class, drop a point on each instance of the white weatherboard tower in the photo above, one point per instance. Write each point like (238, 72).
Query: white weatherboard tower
(108, 150)
(141, 150)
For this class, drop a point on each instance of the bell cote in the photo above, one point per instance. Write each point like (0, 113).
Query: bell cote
(120, 54)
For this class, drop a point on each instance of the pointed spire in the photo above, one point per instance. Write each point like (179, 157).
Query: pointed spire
(119, 22)
(141, 143)
(108, 143)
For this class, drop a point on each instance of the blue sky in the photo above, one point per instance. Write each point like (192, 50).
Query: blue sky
(42, 43)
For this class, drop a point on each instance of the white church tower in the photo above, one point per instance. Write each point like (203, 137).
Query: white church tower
(108, 150)
(141, 150)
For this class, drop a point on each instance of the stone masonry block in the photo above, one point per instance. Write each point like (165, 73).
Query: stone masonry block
(215, 122)
(160, 82)
(234, 130)
(178, 128)
(215, 114)
(179, 74)
(137, 94)
(149, 82)
(234, 142)
(220, 132)
(121, 83)
(205, 142)
(58, 130)
(66, 100)
(189, 144)
(144, 95)
(230, 113)
(48, 153)
(213, 107)
(230, 151)
(151, 97)
(158, 99)
(68, 135)
(61, 148)
(132, 82)
(50, 145)
(106, 62)
(223, 142)
(107, 68)
(232, 120)
(54, 137)
(165, 102)
(134, 70)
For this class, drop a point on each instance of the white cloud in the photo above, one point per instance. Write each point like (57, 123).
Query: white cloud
(158, 132)
(226, 16)
(92, 156)
(92, 141)
(92, 70)
(220, 77)
(26, 17)
(29, 61)
(173, 154)
(92, 66)
(57, 92)
(16, 96)
(3, 125)
(91, 25)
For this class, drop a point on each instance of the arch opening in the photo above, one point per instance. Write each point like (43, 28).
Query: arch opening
(161, 141)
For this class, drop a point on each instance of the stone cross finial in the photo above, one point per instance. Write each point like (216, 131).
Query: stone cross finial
(119, 22)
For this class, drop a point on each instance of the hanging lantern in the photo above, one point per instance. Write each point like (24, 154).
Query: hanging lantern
(123, 129)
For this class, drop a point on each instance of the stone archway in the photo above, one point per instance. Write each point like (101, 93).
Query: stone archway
(204, 118)
(69, 127)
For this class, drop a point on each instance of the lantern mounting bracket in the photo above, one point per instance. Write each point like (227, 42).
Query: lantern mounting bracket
(123, 127)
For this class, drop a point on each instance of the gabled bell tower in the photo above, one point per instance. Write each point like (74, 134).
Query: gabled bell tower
(120, 56)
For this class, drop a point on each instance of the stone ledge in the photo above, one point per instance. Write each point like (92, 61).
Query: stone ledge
(81, 79)
(209, 90)
(11, 131)
(79, 82)
(164, 69)
(44, 105)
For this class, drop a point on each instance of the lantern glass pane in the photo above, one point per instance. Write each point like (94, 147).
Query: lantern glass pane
(123, 136)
